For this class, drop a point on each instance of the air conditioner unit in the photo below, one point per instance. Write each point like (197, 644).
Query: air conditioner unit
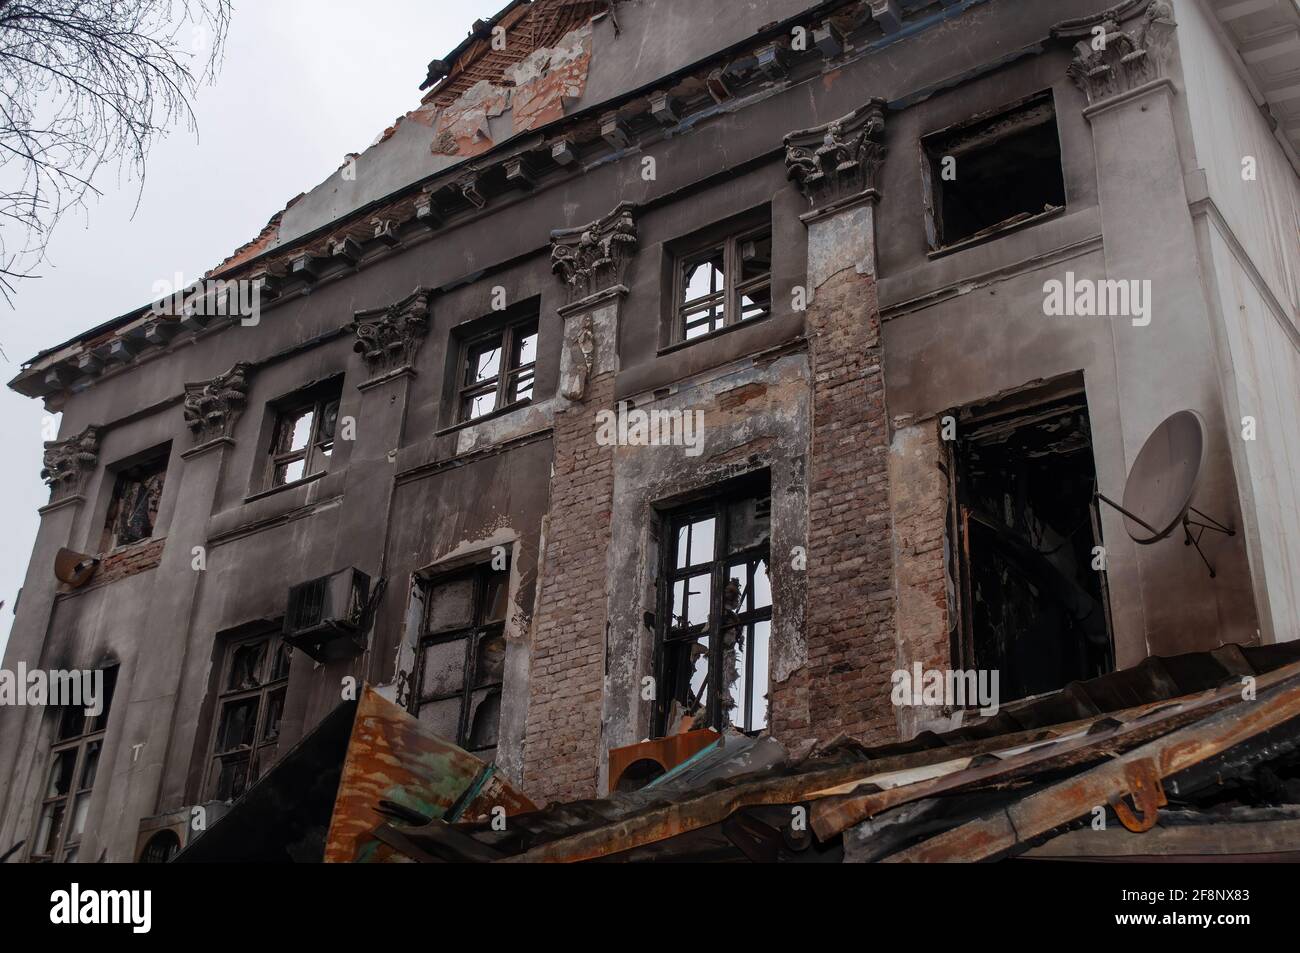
(162, 837)
(325, 617)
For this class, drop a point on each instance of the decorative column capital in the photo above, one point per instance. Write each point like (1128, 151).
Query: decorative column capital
(212, 407)
(389, 338)
(839, 160)
(1108, 60)
(68, 462)
(593, 258)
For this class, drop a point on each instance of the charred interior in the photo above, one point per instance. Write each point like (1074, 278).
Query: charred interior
(1034, 605)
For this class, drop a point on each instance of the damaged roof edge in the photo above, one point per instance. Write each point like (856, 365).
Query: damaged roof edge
(772, 31)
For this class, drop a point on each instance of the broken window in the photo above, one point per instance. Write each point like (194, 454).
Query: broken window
(498, 369)
(461, 665)
(1033, 607)
(994, 173)
(724, 284)
(250, 705)
(715, 614)
(302, 441)
(133, 511)
(74, 764)
(160, 848)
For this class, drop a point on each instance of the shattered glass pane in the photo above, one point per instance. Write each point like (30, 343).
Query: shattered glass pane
(484, 362)
(734, 646)
(490, 660)
(691, 601)
(290, 472)
(246, 667)
(484, 719)
(480, 405)
(300, 431)
(443, 668)
(704, 276)
(451, 604)
(90, 766)
(748, 525)
(238, 725)
(61, 773)
(697, 701)
(701, 543)
(47, 833)
(756, 303)
(525, 347)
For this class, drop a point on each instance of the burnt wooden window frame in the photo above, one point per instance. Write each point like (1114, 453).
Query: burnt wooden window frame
(319, 450)
(89, 733)
(735, 286)
(932, 153)
(155, 461)
(479, 629)
(961, 633)
(714, 506)
(505, 383)
(270, 683)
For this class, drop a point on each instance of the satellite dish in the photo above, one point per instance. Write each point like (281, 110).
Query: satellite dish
(1160, 488)
(74, 568)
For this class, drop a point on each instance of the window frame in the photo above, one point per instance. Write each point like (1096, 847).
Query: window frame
(156, 460)
(719, 569)
(318, 452)
(225, 696)
(479, 629)
(736, 287)
(505, 381)
(92, 732)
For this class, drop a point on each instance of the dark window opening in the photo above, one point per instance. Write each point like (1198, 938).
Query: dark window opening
(1032, 605)
(133, 512)
(727, 283)
(160, 848)
(302, 441)
(461, 666)
(995, 173)
(74, 765)
(250, 704)
(715, 614)
(498, 369)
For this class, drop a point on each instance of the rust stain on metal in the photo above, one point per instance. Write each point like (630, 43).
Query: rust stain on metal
(392, 757)
(1148, 797)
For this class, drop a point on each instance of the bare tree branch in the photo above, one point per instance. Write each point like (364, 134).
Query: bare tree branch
(86, 84)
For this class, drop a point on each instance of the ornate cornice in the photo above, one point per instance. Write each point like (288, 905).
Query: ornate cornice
(389, 338)
(68, 462)
(593, 258)
(212, 407)
(1110, 61)
(840, 159)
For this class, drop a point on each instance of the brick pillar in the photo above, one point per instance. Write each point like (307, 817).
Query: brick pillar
(850, 638)
(562, 738)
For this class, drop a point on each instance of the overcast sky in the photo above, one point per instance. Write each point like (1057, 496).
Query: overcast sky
(304, 82)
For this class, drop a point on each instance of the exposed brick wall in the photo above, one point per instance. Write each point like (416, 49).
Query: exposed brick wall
(919, 490)
(128, 561)
(562, 738)
(850, 627)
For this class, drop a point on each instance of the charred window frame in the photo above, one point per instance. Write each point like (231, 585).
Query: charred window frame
(303, 434)
(714, 617)
(994, 173)
(1024, 519)
(133, 509)
(460, 671)
(70, 781)
(250, 705)
(722, 284)
(497, 369)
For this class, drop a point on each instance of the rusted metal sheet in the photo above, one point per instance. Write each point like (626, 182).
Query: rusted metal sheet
(393, 758)
(668, 753)
(1068, 800)
(1117, 733)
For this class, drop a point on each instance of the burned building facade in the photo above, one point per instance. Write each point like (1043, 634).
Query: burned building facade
(672, 369)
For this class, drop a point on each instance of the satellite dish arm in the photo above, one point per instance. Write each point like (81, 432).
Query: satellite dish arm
(1137, 519)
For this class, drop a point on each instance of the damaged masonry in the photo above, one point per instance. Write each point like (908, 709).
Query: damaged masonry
(854, 432)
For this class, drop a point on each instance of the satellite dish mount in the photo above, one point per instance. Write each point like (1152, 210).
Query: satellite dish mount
(1162, 483)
